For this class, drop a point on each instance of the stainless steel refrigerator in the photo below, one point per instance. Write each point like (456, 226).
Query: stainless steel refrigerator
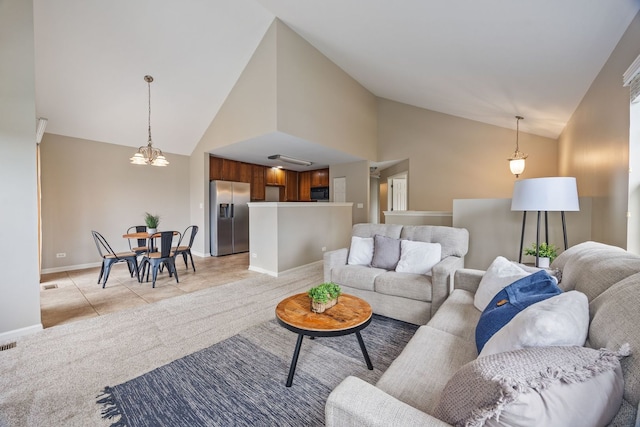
(229, 217)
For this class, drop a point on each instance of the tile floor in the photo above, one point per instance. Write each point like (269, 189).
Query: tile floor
(74, 295)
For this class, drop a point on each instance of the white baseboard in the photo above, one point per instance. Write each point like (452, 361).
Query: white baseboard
(70, 267)
(279, 273)
(17, 333)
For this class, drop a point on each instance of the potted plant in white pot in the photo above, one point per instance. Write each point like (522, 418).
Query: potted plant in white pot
(152, 222)
(546, 253)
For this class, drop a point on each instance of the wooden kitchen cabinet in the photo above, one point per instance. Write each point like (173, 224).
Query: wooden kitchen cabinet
(304, 185)
(215, 168)
(320, 178)
(275, 176)
(257, 182)
(291, 186)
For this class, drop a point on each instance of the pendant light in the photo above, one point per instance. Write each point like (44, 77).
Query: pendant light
(516, 161)
(147, 154)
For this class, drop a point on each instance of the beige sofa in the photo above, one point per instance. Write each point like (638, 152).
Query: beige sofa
(410, 297)
(409, 391)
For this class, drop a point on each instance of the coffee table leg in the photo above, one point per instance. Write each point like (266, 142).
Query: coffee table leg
(294, 361)
(364, 351)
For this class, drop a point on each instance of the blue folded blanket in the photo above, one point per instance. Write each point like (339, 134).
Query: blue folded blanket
(511, 300)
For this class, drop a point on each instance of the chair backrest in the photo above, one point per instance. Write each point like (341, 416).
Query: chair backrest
(194, 231)
(166, 240)
(139, 229)
(101, 244)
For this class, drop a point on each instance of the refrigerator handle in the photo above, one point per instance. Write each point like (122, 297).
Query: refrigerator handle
(231, 213)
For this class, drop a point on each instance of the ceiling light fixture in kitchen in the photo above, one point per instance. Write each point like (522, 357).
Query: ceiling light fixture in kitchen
(290, 160)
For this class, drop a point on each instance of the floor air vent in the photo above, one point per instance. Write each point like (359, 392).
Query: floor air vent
(51, 286)
(7, 346)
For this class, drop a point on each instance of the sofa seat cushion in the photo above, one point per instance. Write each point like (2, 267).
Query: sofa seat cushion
(418, 375)
(407, 285)
(457, 315)
(356, 276)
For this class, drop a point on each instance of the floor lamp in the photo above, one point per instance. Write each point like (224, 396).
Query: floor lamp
(555, 194)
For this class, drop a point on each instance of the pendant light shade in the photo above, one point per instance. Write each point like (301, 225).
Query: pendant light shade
(147, 154)
(517, 159)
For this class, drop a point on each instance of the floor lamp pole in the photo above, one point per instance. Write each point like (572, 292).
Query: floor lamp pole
(524, 221)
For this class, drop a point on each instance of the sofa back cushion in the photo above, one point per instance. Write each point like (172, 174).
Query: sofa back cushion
(454, 241)
(593, 268)
(615, 316)
(370, 230)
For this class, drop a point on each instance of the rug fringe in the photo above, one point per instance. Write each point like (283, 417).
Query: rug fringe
(110, 408)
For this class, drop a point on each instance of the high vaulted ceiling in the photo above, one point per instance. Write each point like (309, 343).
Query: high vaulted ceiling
(484, 60)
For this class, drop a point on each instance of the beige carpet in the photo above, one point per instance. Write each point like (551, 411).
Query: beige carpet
(52, 378)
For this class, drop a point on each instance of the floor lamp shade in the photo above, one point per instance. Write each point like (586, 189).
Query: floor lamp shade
(545, 194)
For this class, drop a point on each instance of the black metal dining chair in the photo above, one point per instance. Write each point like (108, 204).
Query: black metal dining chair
(185, 250)
(140, 245)
(156, 259)
(109, 257)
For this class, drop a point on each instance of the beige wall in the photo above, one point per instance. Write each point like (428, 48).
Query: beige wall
(281, 238)
(248, 111)
(319, 102)
(288, 86)
(19, 281)
(594, 146)
(358, 191)
(88, 185)
(451, 158)
(494, 229)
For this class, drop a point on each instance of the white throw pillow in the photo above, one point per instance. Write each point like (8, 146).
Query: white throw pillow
(562, 320)
(361, 251)
(418, 257)
(500, 273)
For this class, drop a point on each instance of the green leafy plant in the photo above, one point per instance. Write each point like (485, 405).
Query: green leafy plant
(545, 251)
(324, 292)
(152, 221)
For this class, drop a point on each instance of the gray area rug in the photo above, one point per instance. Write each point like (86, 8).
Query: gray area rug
(240, 381)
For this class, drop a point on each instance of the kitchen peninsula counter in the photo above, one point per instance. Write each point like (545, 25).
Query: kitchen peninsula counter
(287, 235)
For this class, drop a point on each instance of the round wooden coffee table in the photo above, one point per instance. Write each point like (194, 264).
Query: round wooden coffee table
(349, 316)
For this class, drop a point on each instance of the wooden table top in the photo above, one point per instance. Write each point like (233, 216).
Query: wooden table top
(350, 312)
(143, 235)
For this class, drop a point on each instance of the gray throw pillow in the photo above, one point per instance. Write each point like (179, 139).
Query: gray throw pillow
(386, 252)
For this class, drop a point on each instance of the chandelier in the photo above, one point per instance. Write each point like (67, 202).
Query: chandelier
(147, 154)
(516, 161)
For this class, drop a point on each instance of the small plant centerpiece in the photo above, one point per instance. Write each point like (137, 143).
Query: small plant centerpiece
(324, 296)
(546, 253)
(152, 222)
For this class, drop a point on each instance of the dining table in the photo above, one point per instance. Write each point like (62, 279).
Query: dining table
(147, 236)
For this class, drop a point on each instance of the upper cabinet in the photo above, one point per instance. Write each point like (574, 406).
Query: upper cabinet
(293, 185)
(320, 178)
(275, 176)
(229, 170)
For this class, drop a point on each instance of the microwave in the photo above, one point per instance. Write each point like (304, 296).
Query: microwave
(319, 193)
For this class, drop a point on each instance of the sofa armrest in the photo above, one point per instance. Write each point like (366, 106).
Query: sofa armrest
(333, 259)
(357, 403)
(468, 279)
(441, 275)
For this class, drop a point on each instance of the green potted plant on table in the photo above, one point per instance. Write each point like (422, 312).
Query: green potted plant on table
(546, 253)
(324, 296)
(152, 222)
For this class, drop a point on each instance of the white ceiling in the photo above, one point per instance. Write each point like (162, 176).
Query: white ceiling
(482, 60)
